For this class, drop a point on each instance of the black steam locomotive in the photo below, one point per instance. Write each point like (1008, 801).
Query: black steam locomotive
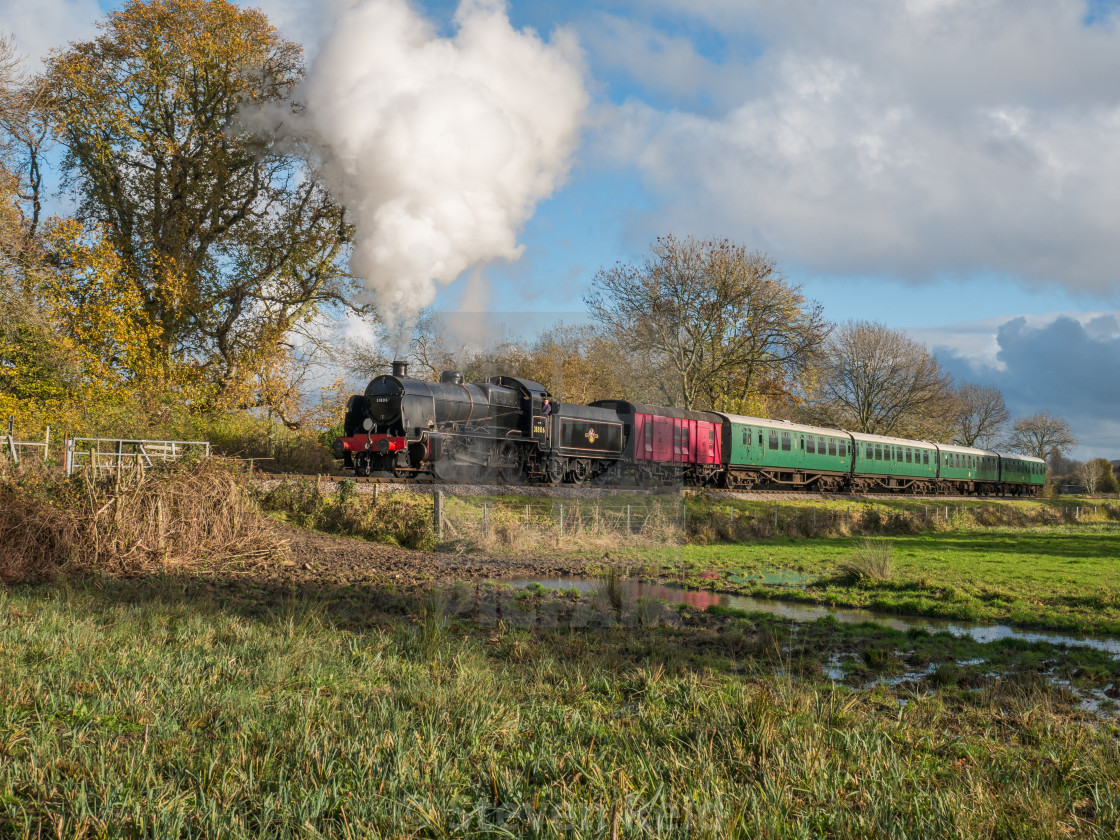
(457, 431)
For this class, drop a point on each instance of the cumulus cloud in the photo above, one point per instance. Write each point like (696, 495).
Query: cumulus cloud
(1066, 366)
(912, 139)
(439, 147)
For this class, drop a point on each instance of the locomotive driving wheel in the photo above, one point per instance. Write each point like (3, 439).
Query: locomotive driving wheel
(509, 466)
(578, 471)
(554, 470)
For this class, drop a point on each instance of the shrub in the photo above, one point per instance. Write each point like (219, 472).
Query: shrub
(135, 520)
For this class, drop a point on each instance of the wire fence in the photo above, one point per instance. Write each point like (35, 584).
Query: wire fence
(670, 519)
(511, 522)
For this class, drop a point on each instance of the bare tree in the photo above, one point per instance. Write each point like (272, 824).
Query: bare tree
(716, 321)
(23, 139)
(1089, 476)
(982, 414)
(1041, 435)
(1097, 477)
(875, 379)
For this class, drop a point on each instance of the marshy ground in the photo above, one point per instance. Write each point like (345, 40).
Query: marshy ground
(342, 687)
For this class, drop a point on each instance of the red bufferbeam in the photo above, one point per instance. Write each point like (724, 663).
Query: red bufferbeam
(371, 443)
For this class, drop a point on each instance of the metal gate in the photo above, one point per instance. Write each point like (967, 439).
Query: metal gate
(113, 453)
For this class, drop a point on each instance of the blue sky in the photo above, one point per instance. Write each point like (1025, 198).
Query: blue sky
(947, 167)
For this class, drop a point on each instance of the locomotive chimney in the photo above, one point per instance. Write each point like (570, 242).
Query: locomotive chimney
(400, 368)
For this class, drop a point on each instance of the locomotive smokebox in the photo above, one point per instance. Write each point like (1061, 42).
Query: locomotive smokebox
(400, 368)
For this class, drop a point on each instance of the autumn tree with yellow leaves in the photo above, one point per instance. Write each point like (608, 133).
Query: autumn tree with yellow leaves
(222, 241)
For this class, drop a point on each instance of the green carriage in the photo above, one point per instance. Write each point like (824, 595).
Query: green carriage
(780, 453)
(1021, 475)
(893, 464)
(965, 469)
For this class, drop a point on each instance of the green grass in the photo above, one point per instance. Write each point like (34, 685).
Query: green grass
(1062, 577)
(164, 709)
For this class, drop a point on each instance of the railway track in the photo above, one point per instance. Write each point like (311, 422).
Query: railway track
(590, 491)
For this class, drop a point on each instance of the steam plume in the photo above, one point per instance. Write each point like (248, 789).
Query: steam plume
(440, 148)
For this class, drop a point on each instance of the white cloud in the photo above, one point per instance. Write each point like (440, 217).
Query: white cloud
(40, 25)
(902, 139)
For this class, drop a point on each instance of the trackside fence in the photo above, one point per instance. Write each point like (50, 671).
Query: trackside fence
(111, 454)
(669, 518)
(507, 522)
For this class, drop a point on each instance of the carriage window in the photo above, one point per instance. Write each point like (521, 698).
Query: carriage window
(773, 440)
(746, 437)
(843, 449)
(760, 440)
(909, 456)
(832, 446)
(787, 442)
(649, 435)
(925, 457)
(878, 452)
(801, 441)
(812, 447)
(686, 436)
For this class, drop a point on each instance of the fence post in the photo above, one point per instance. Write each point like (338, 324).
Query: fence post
(47, 444)
(485, 524)
(775, 517)
(628, 531)
(561, 519)
(438, 515)
(526, 516)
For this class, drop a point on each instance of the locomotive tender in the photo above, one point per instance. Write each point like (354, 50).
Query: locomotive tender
(500, 430)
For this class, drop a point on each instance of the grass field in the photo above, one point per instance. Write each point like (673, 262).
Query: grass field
(1060, 577)
(159, 708)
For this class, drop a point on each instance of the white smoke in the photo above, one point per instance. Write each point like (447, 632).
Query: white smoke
(439, 147)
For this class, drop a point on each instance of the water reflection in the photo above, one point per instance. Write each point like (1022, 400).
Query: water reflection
(699, 600)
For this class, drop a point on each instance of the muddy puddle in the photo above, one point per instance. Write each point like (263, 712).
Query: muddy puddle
(700, 600)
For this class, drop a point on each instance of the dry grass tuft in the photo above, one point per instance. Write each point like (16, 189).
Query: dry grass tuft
(133, 521)
(871, 561)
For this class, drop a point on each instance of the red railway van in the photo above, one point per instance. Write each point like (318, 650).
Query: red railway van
(670, 443)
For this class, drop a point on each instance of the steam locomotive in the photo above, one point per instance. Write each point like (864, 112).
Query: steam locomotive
(459, 431)
(506, 429)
